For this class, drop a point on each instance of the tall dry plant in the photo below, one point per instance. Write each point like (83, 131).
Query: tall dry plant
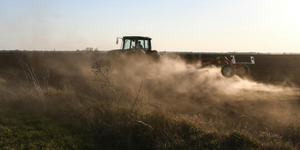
(103, 71)
(32, 78)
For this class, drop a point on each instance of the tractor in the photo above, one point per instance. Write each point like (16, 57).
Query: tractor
(135, 46)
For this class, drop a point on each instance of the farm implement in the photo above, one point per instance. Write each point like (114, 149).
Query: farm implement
(230, 67)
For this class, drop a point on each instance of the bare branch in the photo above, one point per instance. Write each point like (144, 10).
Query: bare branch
(137, 97)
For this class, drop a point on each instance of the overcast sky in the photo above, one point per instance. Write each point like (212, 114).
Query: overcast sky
(173, 25)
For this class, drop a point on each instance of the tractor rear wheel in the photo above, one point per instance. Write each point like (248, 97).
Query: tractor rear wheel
(228, 71)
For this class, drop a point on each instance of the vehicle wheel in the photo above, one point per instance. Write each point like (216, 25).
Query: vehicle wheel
(228, 71)
(243, 71)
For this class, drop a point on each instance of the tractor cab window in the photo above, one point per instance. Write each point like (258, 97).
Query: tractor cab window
(146, 47)
(127, 44)
(140, 44)
(133, 43)
(143, 44)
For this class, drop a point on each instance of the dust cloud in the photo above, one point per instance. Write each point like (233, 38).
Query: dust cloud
(171, 83)
(172, 77)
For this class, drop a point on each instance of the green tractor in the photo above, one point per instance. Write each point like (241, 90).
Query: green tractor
(135, 46)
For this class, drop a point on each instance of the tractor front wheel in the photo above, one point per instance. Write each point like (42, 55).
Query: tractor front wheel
(228, 71)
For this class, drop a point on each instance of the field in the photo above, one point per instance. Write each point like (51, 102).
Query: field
(65, 100)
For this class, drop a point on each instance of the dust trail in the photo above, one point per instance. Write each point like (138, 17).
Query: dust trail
(188, 89)
(173, 77)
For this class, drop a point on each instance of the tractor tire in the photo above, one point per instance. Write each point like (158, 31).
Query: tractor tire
(243, 71)
(228, 71)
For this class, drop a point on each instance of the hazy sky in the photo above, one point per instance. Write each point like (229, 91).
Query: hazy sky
(173, 25)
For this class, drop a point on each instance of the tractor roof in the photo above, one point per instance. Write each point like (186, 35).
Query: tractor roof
(136, 37)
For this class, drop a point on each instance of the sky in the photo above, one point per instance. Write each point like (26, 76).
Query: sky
(173, 25)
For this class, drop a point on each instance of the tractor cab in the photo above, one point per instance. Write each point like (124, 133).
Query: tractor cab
(136, 42)
(136, 45)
